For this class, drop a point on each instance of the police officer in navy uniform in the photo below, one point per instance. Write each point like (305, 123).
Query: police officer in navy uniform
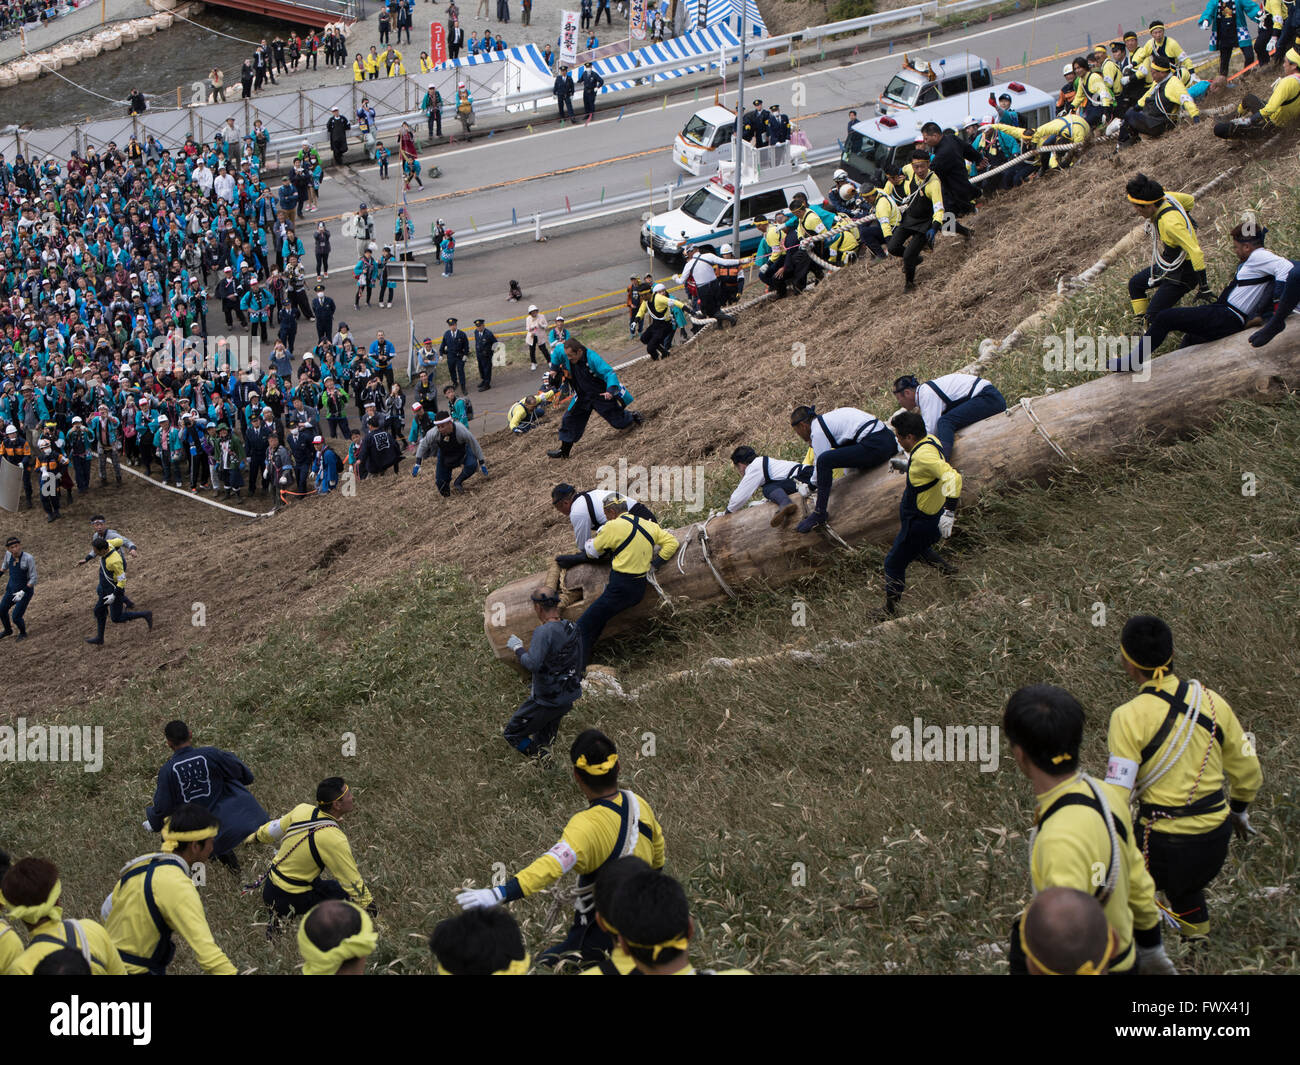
(485, 341)
(754, 128)
(19, 589)
(322, 310)
(455, 349)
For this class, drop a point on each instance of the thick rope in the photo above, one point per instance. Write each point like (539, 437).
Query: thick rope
(197, 498)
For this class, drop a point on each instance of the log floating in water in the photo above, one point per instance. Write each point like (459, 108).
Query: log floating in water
(1184, 390)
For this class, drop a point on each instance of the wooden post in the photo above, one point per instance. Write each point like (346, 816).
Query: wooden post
(1091, 420)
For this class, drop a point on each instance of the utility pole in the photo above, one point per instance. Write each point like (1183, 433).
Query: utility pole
(739, 142)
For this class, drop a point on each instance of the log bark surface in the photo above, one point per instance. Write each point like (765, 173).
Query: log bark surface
(1184, 391)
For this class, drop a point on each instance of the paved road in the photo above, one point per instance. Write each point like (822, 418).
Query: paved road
(485, 179)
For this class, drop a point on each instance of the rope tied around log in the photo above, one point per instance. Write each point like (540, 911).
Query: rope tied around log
(704, 552)
(1029, 411)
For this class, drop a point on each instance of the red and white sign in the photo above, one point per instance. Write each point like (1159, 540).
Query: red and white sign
(437, 43)
(568, 38)
(637, 19)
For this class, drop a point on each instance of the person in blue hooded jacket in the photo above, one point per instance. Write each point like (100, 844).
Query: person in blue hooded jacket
(596, 387)
(212, 778)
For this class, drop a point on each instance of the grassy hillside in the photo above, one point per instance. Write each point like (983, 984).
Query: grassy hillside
(804, 846)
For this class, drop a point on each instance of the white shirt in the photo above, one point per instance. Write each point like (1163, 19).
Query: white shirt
(580, 517)
(224, 186)
(700, 267)
(203, 178)
(1252, 299)
(844, 423)
(777, 470)
(956, 386)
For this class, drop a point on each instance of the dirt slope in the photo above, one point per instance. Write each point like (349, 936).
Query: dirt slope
(739, 385)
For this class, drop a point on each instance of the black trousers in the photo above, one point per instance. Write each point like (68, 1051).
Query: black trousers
(1183, 866)
(284, 903)
(909, 243)
(116, 611)
(1197, 324)
(534, 725)
(1169, 288)
(874, 449)
(574, 422)
(1137, 121)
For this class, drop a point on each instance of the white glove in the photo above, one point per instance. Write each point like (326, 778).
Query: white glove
(898, 463)
(108, 599)
(802, 489)
(1153, 961)
(514, 643)
(946, 521)
(1241, 824)
(147, 827)
(1205, 24)
(480, 898)
(18, 597)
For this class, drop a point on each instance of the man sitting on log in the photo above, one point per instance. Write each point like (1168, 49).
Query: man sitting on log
(1248, 298)
(774, 477)
(954, 401)
(845, 438)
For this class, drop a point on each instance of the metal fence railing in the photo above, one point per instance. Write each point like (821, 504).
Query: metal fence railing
(291, 117)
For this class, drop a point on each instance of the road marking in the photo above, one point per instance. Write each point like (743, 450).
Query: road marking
(659, 108)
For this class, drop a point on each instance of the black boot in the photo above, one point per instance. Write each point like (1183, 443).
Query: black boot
(230, 860)
(562, 452)
(932, 558)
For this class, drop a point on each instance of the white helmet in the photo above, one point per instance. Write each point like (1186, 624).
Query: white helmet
(839, 176)
(971, 121)
(726, 249)
(1069, 69)
(660, 287)
(847, 191)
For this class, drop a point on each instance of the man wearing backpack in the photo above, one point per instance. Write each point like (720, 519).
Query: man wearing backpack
(554, 658)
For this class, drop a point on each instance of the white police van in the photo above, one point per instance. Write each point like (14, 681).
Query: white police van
(695, 148)
(772, 177)
(926, 81)
(877, 143)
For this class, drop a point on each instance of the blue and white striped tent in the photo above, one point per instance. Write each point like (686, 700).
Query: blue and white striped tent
(690, 48)
(726, 13)
(529, 55)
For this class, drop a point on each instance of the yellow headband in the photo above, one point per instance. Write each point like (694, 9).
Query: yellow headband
(317, 962)
(680, 943)
(42, 910)
(171, 838)
(1088, 968)
(518, 967)
(1156, 671)
(1144, 203)
(336, 798)
(1058, 759)
(600, 769)
(1293, 56)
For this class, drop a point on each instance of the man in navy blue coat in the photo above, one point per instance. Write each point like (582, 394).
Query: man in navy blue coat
(217, 781)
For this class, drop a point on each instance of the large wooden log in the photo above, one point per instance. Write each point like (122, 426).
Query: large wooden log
(1183, 391)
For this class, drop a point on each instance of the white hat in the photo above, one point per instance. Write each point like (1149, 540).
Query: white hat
(417, 406)
(988, 120)
(726, 249)
(971, 121)
(660, 287)
(76, 419)
(318, 440)
(161, 418)
(532, 307)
